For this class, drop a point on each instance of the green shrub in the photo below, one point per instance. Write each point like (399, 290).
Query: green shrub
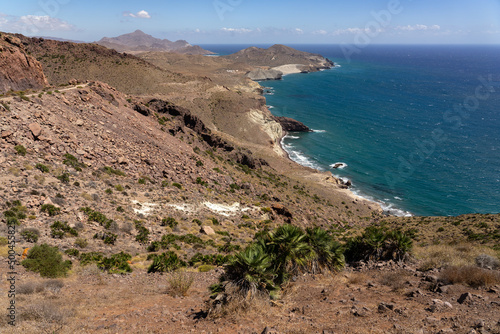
(91, 257)
(72, 252)
(42, 168)
(115, 264)
(81, 242)
(199, 163)
(72, 161)
(60, 229)
(170, 222)
(112, 171)
(200, 181)
(142, 232)
(108, 191)
(47, 261)
(64, 177)
(108, 237)
(165, 262)
(30, 234)
(120, 209)
(141, 181)
(215, 221)
(50, 209)
(20, 149)
(119, 188)
(177, 185)
(96, 216)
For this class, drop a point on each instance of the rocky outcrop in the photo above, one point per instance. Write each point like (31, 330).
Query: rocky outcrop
(291, 125)
(261, 74)
(18, 70)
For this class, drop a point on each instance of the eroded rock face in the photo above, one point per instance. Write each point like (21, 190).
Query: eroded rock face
(292, 125)
(18, 70)
(262, 74)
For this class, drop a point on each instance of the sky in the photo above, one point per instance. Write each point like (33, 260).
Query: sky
(357, 22)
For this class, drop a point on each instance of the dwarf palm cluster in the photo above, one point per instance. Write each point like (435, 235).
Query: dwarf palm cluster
(379, 243)
(276, 255)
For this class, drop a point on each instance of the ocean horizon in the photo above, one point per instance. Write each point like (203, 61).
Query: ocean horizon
(416, 127)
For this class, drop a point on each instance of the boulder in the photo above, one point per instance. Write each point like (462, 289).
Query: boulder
(35, 129)
(207, 230)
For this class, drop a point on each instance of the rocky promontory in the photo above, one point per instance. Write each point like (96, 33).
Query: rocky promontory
(291, 125)
(279, 60)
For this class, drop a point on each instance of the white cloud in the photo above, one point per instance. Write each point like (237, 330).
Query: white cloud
(418, 27)
(32, 24)
(237, 30)
(353, 31)
(320, 32)
(299, 31)
(142, 14)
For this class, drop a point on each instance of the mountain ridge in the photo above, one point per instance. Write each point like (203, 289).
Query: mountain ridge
(139, 41)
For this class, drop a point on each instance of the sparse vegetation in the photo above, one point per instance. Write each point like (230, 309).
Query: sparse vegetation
(21, 150)
(50, 209)
(47, 261)
(61, 229)
(30, 234)
(42, 168)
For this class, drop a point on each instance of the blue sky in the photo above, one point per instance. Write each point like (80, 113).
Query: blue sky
(258, 21)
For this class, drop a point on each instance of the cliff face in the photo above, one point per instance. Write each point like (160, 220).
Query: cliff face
(18, 70)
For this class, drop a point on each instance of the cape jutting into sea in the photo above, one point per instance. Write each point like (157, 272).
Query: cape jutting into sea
(416, 128)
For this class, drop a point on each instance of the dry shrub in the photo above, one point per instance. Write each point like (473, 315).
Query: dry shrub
(470, 275)
(357, 278)
(441, 256)
(53, 285)
(180, 282)
(29, 288)
(395, 280)
(46, 312)
(233, 304)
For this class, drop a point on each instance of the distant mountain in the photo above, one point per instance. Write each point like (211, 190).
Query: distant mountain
(138, 41)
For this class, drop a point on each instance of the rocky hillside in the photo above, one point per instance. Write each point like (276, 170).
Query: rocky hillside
(139, 41)
(20, 71)
(139, 203)
(278, 55)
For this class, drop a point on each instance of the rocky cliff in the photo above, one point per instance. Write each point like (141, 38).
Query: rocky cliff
(20, 71)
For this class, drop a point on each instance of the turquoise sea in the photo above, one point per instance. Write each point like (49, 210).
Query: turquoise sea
(418, 127)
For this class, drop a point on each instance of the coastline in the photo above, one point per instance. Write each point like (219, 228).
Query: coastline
(327, 178)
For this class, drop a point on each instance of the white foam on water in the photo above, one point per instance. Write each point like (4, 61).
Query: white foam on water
(298, 156)
(339, 165)
(318, 131)
(388, 207)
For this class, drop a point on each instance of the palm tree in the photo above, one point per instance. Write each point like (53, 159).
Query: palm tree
(250, 271)
(290, 250)
(329, 253)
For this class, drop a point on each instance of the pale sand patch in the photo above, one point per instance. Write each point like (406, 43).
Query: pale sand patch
(289, 68)
(145, 208)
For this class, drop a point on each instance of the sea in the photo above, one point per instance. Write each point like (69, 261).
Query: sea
(415, 128)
